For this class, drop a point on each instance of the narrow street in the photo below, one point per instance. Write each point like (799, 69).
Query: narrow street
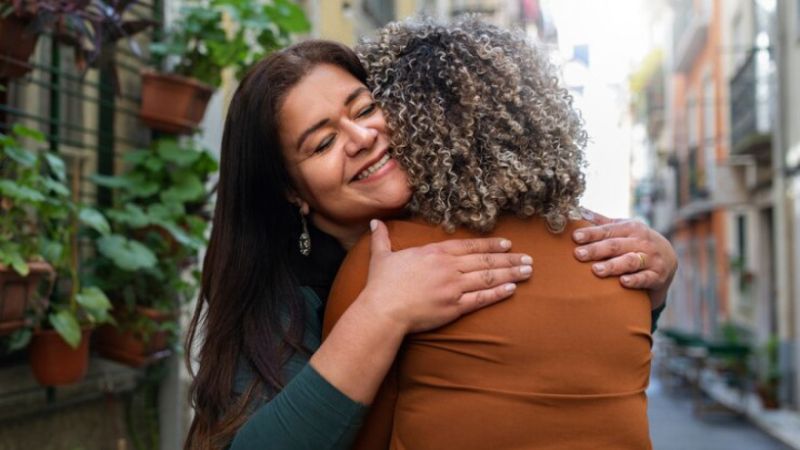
(673, 426)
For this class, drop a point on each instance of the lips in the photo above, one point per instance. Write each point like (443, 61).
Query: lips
(372, 167)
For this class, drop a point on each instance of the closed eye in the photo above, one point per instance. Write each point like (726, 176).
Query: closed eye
(367, 110)
(326, 142)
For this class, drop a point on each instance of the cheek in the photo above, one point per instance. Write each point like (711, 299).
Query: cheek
(317, 180)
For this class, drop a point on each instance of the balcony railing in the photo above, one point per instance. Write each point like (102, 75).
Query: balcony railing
(750, 104)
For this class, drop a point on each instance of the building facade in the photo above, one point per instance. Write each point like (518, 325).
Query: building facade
(723, 182)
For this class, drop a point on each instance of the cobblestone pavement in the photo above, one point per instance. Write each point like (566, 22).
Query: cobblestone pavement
(673, 426)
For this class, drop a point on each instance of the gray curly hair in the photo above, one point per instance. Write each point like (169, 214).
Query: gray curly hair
(479, 121)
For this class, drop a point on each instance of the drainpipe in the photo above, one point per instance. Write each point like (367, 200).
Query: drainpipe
(781, 226)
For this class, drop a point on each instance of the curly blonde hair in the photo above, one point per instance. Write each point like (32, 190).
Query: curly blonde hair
(479, 121)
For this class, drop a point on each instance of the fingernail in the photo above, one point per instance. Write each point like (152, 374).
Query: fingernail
(626, 280)
(373, 224)
(599, 268)
(582, 253)
(505, 243)
(526, 260)
(579, 236)
(510, 287)
(525, 270)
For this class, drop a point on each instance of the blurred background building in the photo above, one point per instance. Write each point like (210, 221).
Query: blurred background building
(718, 104)
(700, 138)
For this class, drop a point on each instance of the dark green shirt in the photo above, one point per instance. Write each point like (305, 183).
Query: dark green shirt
(309, 413)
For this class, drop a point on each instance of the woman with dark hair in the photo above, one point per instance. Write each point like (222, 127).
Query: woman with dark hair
(306, 162)
(492, 146)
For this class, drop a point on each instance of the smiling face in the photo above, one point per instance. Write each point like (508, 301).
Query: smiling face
(335, 142)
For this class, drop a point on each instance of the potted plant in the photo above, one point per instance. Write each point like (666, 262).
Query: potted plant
(90, 27)
(199, 46)
(769, 375)
(17, 42)
(23, 271)
(159, 202)
(58, 351)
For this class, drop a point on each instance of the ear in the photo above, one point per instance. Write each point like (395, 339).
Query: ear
(296, 200)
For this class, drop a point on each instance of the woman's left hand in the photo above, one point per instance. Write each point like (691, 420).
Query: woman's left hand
(640, 256)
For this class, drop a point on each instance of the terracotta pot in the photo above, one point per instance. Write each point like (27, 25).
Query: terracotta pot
(172, 103)
(54, 362)
(17, 44)
(767, 393)
(129, 346)
(17, 291)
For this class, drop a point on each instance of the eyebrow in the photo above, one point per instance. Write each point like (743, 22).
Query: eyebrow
(353, 95)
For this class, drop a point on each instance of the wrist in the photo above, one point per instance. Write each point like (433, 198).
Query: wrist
(372, 310)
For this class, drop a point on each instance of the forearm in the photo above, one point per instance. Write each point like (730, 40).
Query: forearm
(309, 413)
(358, 352)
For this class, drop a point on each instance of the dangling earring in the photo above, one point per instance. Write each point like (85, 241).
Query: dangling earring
(305, 238)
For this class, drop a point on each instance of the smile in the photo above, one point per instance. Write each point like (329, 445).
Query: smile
(373, 168)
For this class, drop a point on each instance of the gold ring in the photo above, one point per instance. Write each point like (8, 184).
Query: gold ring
(642, 261)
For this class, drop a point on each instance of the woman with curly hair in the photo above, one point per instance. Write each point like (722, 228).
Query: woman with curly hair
(306, 164)
(492, 146)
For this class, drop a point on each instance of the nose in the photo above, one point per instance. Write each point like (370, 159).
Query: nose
(359, 136)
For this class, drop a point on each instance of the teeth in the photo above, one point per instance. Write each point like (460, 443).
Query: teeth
(371, 169)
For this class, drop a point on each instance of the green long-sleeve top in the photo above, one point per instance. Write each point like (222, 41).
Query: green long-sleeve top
(309, 413)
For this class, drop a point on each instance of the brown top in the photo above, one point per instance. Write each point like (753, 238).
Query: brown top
(562, 364)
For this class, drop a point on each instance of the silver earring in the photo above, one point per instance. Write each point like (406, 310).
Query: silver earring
(305, 238)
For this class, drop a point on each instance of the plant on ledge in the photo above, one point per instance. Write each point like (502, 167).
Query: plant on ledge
(90, 27)
(43, 221)
(22, 267)
(160, 203)
(199, 46)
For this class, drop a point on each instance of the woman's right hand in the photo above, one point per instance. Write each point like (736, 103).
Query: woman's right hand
(422, 288)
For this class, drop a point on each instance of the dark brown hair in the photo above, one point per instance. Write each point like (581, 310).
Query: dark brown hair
(249, 311)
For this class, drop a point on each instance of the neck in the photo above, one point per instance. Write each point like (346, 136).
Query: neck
(346, 235)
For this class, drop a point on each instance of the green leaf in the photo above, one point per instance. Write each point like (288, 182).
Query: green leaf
(154, 164)
(51, 251)
(56, 164)
(94, 219)
(19, 339)
(55, 186)
(137, 157)
(111, 182)
(142, 186)
(181, 235)
(288, 16)
(66, 324)
(186, 187)
(166, 211)
(131, 215)
(21, 130)
(169, 150)
(126, 254)
(19, 192)
(95, 303)
(22, 156)
(18, 263)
